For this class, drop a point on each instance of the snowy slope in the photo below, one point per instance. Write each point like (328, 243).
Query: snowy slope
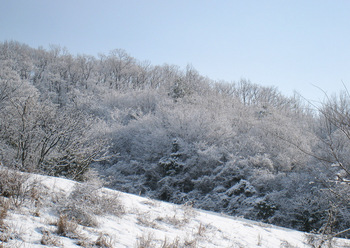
(144, 223)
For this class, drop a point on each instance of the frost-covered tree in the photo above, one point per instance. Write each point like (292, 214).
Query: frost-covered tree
(333, 152)
(39, 136)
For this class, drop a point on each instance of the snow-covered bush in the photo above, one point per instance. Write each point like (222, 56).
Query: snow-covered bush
(14, 186)
(86, 201)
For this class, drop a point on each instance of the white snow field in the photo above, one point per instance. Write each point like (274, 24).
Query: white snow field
(141, 223)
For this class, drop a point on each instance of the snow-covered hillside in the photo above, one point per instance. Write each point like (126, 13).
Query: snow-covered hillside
(174, 135)
(131, 221)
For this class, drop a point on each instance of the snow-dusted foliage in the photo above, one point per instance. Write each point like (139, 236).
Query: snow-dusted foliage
(174, 135)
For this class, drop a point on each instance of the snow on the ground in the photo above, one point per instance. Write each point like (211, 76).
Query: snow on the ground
(145, 220)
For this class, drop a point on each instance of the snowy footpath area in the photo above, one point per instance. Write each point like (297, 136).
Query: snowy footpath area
(141, 222)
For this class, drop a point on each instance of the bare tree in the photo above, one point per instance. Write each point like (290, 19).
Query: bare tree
(333, 151)
(39, 136)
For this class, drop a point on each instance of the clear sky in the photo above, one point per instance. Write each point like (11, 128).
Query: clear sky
(294, 45)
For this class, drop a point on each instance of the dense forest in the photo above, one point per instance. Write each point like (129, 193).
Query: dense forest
(171, 134)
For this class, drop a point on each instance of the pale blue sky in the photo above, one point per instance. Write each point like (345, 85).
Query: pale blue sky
(292, 45)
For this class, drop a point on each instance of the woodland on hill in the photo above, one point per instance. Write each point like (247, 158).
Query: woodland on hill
(171, 134)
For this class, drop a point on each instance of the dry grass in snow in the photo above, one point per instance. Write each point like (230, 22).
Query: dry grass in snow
(47, 211)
